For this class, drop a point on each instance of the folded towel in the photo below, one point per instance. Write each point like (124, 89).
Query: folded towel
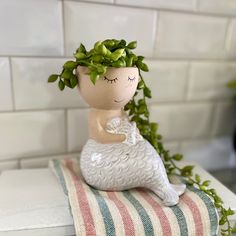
(133, 212)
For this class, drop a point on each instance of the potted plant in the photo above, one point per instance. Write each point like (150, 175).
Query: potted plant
(98, 66)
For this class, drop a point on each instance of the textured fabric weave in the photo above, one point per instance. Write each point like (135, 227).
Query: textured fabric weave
(136, 212)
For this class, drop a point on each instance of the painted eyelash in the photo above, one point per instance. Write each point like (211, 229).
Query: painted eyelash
(131, 79)
(110, 80)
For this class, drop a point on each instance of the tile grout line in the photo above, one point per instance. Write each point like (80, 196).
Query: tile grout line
(188, 82)
(156, 103)
(66, 130)
(197, 5)
(63, 26)
(228, 35)
(157, 58)
(179, 141)
(155, 32)
(12, 84)
(164, 9)
(212, 124)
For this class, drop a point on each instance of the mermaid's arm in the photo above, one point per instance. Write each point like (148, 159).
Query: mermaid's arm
(100, 135)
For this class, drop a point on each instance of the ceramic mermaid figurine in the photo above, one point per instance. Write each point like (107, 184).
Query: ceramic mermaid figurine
(116, 157)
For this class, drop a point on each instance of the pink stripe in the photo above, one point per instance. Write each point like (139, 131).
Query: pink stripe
(126, 218)
(83, 201)
(195, 212)
(166, 229)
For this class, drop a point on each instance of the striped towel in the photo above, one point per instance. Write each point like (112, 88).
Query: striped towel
(133, 212)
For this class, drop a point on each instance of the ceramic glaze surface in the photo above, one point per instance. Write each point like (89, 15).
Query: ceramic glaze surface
(129, 164)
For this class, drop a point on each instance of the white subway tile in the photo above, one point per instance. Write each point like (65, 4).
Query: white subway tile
(182, 121)
(224, 118)
(209, 153)
(224, 7)
(231, 39)
(173, 147)
(77, 129)
(167, 80)
(189, 35)
(32, 90)
(98, 1)
(42, 162)
(169, 4)
(31, 27)
(27, 134)
(208, 80)
(88, 23)
(8, 165)
(5, 85)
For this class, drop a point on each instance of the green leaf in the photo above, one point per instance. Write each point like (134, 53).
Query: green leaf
(82, 48)
(232, 84)
(129, 61)
(230, 212)
(197, 178)
(233, 230)
(177, 157)
(132, 45)
(97, 44)
(187, 170)
(153, 127)
(73, 81)
(141, 84)
(140, 58)
(97, 58)
(147, 92)
(79, 55)
(102, 49)
(66, 74)
(117, 54)
(61, 85)
(144, 67)
(101, 69)
(119, 63)
(70, 65)
(122, 43)
(94, 77)
(206, 183)
(222, 220)
(52, 78)
(109, 43)
(67, 83)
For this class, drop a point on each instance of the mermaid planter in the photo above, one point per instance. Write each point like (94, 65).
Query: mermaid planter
(116, 157)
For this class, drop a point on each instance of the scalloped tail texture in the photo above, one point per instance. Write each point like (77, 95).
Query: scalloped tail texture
(122, 166)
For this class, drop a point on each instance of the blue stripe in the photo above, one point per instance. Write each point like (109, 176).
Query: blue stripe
(106, 214)
(147, 224)
(57, 167)
(181, 220)
(210, 208)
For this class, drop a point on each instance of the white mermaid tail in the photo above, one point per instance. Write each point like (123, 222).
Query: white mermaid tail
(132, 163)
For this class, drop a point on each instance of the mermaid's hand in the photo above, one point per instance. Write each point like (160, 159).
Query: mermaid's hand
(130, 136)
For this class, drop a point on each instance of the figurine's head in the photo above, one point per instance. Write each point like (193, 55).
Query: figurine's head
(112, 91)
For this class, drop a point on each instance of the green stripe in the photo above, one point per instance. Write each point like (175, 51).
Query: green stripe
(147, 224)
(57, 167)
(106, 214)
(181, 220)
(210, 208)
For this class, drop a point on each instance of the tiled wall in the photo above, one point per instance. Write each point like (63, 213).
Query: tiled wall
(190, 47)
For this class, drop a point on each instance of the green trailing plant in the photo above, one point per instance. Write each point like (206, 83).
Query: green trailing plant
(232, 85)
(117, 53)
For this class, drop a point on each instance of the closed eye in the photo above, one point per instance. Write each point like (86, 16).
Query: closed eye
(110, 80)
(131, 79)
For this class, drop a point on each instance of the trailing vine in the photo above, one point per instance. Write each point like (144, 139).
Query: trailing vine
(117, 53)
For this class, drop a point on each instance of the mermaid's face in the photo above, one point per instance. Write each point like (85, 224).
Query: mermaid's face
(112, 91)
